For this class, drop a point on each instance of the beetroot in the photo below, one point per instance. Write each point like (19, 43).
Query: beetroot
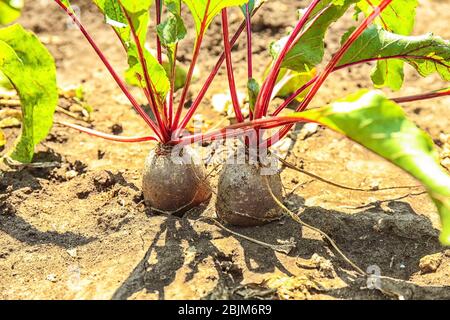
(174, 181)
(243, 197)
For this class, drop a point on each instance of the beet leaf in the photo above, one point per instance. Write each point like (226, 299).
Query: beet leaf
(31, 69)
(428, 54)
(379, 124)
(399, 17)
(204, 11)
(308, 51)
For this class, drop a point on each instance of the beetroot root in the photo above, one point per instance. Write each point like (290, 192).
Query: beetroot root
(174, 181)
(244, 198)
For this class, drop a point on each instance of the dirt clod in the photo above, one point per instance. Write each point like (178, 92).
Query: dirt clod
(116, 129)
(430, 263)
(103, 180)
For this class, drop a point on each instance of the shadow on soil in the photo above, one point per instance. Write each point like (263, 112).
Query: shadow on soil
(392, 239)
(23, 231)
(28, 177)
(170, 257)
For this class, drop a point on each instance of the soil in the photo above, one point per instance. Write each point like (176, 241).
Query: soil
(81, 230)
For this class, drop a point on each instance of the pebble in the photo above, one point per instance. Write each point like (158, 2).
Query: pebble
(71, 174)
(308, 130)
(116, 129)
(103, 179)
(325, 266)
(374, 184)
(430, 263)
(222, 103)
(282, 148)
(72, 252)
(51, 277)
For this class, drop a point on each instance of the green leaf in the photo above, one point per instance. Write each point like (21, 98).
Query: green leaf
(180, 74)
(388, 73)
(100, 4)
(171, 31)
(289, 81)
(253, 88)
(251, 6)
(4, 82)
(204, 11)
(10, 10)
(398, 17)
(119, 14)
(428, 54)
(309, 50)
(115, 17)
(136, 6)
(380, 125)
(158, 76)
(31, 69)
(173, 6)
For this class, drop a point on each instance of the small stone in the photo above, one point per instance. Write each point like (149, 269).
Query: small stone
(431, 263)
(308, 130)
(374, 185)
(282, 148)
(100, 154)
(72, 252)
(325, 266)
(116, 129)
(51, 277)
(71, 174)
(103, 179)
(320, 263)
(222, 103)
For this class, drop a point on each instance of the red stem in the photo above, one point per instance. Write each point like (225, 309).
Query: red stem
(423, 96)
(111, 70)
(248, 28)
(209, 80)
(172, 85)
(158, 21)
(335, 60)
(211, 76)
(229, 64)
(267, 88)
(292, 97)
(106, 136)
(332, 64)
(158, 5)
(269, 123)
(149, 92)
(310, 82)
(198, 44)
(227, 131)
